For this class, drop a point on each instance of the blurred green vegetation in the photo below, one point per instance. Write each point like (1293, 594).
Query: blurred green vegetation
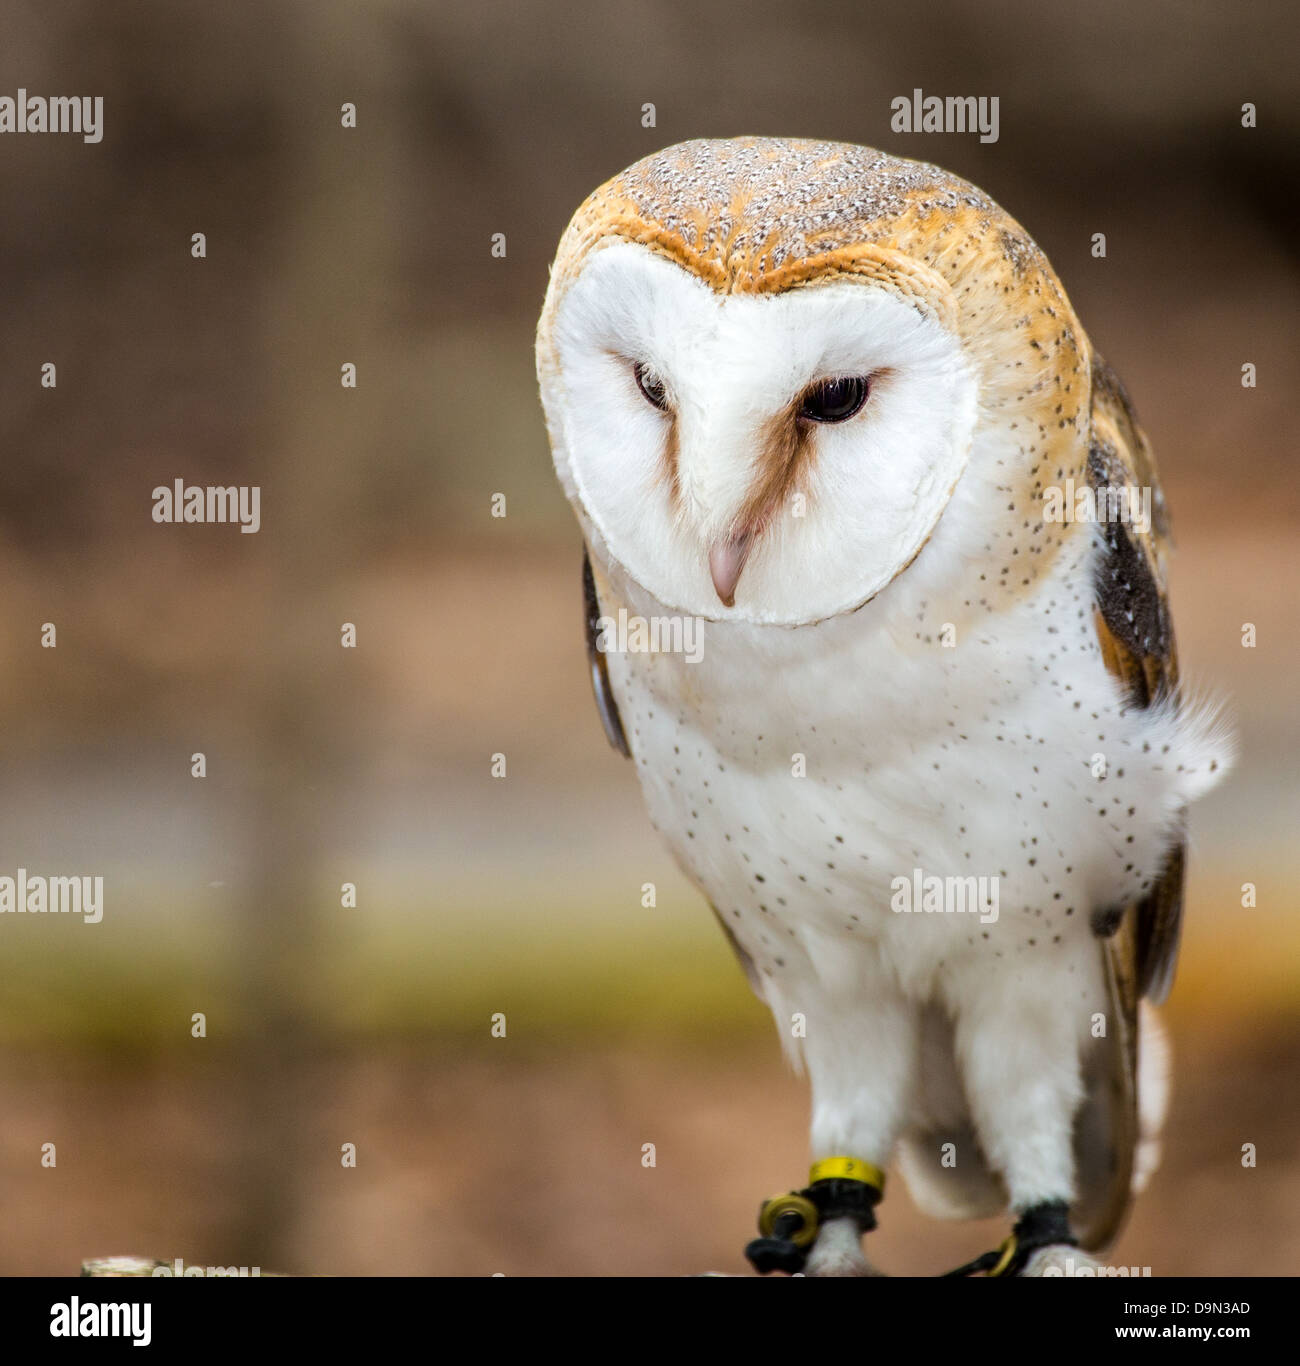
(562, 974)
(557, 976)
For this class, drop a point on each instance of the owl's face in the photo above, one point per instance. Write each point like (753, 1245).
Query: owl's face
(774, 458)
(769, 366)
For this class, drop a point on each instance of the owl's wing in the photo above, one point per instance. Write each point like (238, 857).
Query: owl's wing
(605, 704)
(1136, 637)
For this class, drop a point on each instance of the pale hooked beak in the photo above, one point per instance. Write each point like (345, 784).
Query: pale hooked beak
(727, 563)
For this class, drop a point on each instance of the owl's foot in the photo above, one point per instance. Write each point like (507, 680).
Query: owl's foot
(818, 1231)
(838, 1251)
(1039, 1240)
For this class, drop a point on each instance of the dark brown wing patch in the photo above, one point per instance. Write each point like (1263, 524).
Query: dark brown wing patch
(605, 704)
(1130, 590)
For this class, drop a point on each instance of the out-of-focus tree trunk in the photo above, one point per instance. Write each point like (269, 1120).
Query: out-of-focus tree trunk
(330, 281)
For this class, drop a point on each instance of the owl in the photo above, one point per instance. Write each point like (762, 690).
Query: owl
(830, 414)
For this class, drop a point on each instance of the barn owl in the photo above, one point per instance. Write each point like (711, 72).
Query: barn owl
(930, 763)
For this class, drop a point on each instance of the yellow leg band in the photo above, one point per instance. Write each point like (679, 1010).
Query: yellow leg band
(847, 1169)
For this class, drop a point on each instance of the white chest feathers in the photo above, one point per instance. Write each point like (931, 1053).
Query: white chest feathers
(871, 786)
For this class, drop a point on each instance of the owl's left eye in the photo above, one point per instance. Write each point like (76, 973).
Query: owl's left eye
(651, 386)
(835, 400)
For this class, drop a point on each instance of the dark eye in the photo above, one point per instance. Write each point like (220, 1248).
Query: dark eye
(650, 385)
(835, 400)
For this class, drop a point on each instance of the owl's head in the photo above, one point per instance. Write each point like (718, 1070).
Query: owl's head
(757, 364)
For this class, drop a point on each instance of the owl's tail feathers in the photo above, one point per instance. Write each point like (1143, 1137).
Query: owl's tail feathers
(1154, 1069)
(1117, 1129)
(955, 1190)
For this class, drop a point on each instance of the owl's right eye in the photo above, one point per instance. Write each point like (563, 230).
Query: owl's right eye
(651, 386)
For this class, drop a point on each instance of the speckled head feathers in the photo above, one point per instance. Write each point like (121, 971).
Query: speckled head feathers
(760, 215)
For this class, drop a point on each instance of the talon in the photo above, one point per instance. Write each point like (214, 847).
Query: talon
(1045, 1225)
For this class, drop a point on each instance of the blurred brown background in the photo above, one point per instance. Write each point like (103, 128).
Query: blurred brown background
(370, 1025)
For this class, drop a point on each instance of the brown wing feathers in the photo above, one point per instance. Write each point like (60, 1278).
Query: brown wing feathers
(1136, 635)
(605, 704)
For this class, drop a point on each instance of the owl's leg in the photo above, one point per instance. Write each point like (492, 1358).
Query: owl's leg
(1018, 1041)
(862, 1061)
